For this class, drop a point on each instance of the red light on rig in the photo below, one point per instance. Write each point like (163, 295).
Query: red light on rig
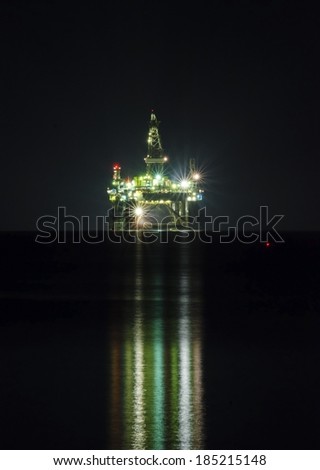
(116, 166)
(268, 244)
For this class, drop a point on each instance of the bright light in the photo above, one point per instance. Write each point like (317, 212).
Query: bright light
(138, 211)
(184, 184)
(158, 177)
(165, 159)
(196, 176)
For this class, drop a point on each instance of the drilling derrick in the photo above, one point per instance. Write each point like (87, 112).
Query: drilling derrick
(155, 158)
(154, 197)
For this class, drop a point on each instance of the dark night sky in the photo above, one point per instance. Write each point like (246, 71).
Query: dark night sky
(234, 84)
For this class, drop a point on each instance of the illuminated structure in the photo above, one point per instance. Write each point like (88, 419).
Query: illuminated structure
(154, 198)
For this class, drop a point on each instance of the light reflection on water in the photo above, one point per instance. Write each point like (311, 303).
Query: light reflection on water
(139, 425)
(157, 391)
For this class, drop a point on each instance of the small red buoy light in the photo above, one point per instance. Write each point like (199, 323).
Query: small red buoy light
(267, 244)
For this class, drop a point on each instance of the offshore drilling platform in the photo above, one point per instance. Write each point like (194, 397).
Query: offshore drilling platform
(154, 199)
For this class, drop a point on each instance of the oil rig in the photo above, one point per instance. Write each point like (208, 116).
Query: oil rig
(154, 199)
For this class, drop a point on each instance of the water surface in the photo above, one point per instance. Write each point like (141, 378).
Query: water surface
(137, 346)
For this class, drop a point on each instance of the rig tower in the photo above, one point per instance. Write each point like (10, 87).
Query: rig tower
(155, 158)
